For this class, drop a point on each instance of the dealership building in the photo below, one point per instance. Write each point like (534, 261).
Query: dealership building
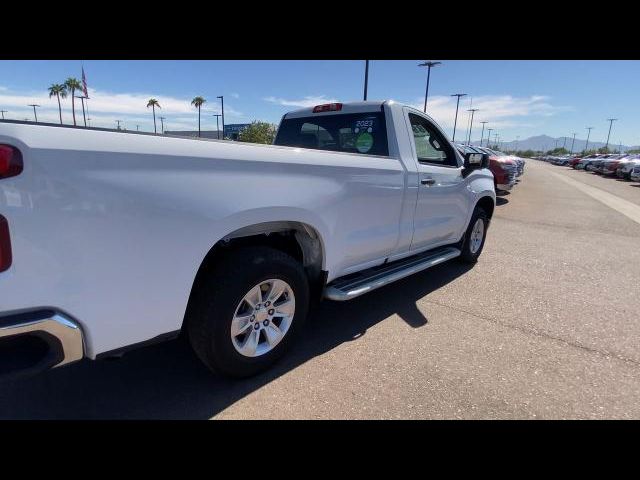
(231, 131)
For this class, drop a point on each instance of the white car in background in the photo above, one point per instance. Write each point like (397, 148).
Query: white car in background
(626, 166)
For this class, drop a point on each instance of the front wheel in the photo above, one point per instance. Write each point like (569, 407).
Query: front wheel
(248, 310)
(473, 240)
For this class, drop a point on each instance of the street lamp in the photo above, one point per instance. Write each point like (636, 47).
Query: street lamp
(489, 130)
(586, 147)
(118, 123)
(455, 122)
(610, 120)
(217, 115)
(3, 112)
(482, 134)
(428, 65)
(221, 97)
(572, 142)
(366, 78)
(517, 142)
(472, 110)
(162, 119)
(34, 110)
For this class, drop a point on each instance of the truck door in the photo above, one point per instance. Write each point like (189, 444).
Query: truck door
(441, 208)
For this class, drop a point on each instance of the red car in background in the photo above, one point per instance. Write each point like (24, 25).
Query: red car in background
(504, 170)
(573, 162)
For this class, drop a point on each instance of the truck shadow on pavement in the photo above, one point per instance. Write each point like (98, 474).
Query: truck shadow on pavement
(167, 381)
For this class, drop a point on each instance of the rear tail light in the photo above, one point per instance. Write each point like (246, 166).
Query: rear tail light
(5, 245)
(327, 107)
(10, 161)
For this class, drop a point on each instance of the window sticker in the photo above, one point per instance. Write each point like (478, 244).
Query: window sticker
(364, 142)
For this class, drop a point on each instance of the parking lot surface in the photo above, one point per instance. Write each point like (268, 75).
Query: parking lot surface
(545, 325)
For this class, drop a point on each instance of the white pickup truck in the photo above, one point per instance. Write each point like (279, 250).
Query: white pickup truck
(111, 240)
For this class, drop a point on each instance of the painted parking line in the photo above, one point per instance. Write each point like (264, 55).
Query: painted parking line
(620, 205)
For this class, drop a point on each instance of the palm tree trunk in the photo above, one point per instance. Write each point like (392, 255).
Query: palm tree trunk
(73, 105)
(59, 107)
(153, 107)
(198, 121)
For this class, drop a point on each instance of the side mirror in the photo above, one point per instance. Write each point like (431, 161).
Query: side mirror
(474, 161)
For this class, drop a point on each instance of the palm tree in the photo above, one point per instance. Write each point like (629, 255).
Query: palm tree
(153, 103)
(198, 102)
(58, 90)
(73, 84)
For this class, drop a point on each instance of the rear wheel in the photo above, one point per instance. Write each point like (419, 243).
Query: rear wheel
(473, 240)
(247, 311)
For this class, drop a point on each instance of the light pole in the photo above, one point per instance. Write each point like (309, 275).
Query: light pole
(3, 112)
(455, 122)
(118, 123)
(482, 134)
(472, 110)
(517, 141)
(572, 142)
(586, 147)
(555, 147)
(221, 97)
(162, 119)
(217, 115)
(610, 120)
(489, 130)
(366, 78)
(137, 128)
(34, 110)
(428, 65)
(84, 116)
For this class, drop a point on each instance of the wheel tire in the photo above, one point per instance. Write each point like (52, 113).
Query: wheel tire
(217, 296)
(467, 255)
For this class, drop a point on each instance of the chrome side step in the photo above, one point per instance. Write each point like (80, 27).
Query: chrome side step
(352, 286)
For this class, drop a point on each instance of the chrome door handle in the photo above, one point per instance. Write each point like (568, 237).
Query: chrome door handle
(427, 181)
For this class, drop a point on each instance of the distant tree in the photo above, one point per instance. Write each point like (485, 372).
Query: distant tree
(59, 90)
(258, 132)
(153, 103)
(634, 151)
(604, 150)
(558, 151)
(198, 102)
(72, 84)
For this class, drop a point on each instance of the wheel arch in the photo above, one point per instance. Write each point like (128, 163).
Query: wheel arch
(488, 204)
(298, 239)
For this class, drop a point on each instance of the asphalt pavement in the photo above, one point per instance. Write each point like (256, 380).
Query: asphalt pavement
(545, 325)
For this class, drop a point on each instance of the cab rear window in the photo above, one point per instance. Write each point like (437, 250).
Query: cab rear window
(364, 133)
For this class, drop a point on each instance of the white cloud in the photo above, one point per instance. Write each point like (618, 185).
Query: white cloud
(308, 101)
(501, 111)
(105, 108)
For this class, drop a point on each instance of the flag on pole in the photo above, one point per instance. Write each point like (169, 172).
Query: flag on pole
(84, 84)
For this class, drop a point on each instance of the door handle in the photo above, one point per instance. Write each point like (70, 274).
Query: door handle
(427, 181)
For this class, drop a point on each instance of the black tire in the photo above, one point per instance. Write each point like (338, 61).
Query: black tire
(217, 295)
(467, 255)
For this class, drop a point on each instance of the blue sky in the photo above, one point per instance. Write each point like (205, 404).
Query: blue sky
(518, 98)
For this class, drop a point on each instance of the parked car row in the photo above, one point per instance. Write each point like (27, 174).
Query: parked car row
(621, 165)
(505, 168)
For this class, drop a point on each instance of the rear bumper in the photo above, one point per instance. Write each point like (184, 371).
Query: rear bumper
(38, 340)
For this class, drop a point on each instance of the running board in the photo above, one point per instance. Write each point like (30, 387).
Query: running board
(353, 286)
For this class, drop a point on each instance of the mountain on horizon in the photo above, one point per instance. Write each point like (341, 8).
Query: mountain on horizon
(545, 143)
